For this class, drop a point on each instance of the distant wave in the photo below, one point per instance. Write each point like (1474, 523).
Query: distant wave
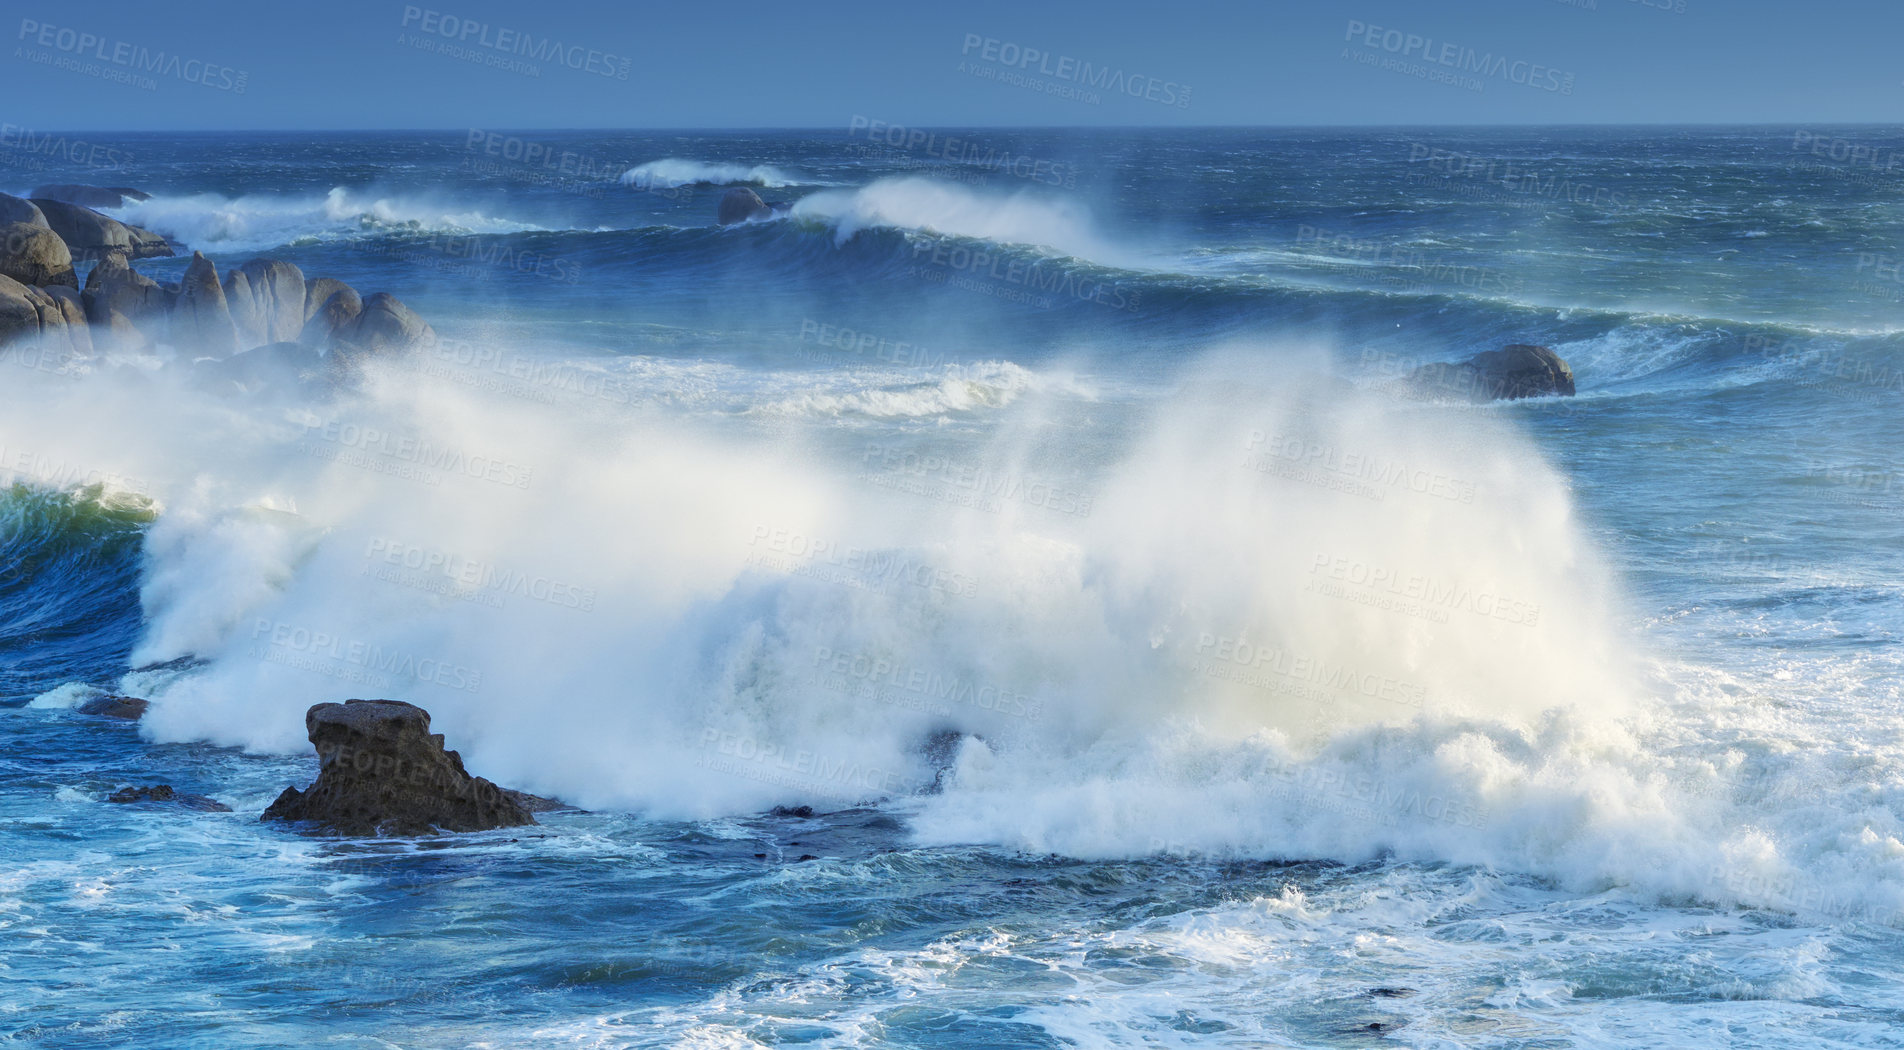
(259, 221)
(927, 206)
(670, 172)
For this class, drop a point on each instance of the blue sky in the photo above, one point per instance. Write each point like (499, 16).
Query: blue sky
(466, 63)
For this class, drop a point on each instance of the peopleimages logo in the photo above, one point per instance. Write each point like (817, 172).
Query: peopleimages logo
(471, 33)
(1076, 71)
(135, 57)
(1459, 58)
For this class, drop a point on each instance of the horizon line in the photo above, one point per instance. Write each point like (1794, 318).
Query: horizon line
(833, 128)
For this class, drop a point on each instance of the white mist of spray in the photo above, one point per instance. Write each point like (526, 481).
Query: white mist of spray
(1277, 616)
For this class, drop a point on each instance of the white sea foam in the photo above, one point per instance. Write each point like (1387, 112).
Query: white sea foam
(671, 172)
(1295, 621)
(66, 696)
(922, 205)
(255, 222)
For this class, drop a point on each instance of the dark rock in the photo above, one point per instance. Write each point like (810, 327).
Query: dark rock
(201, 319)
(91, 196)
(266, 298)
(536, 803)
(741, 204)
(90, 235)
(130, 708)
(33, 254)
(285, 366)
(164, 793)
(318, 290)
(791, 811)
(19, 209)
(382, 772)
(383, 327)
(337, 309)
(1510, 373)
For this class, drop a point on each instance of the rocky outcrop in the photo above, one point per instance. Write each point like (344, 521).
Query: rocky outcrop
(281, 366)
(264, 303)
(165, 793)
(741, 204)
(382, 772)
(18, 209)
(266, 298)
(201, 321)
(90, 196)
(90, 235)
(35, 255)
(383, 328)
(72, 310)
(31, 313)
(330, 307)
(1510, 373)
(130, 708)
(123, 304)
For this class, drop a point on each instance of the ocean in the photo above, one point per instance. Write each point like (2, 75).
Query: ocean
(1007, 599)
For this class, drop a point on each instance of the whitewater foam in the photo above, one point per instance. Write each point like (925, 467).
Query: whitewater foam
(256, 222)
(928, 206)
(674, 172)
(1296, 621)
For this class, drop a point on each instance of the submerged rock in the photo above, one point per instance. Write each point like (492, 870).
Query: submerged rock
(741, 204)
(382, 772)
(1510, 373)
(164, 793)
(130, 708)
(91, 196)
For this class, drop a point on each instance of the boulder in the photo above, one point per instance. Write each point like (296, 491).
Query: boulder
(266, 298)
(1512, 372)
(329, 305)
(201, 321)
(318, 290)
(383, 327)
(284, 366)
(130, 708)
(382, 772)
(164, 793)
(91, 235)
(123, 304)
(246, 316)
(34, 254)
(72, 308)
(19, 209)
(741, 204)
(91, 196)
(28, 313)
